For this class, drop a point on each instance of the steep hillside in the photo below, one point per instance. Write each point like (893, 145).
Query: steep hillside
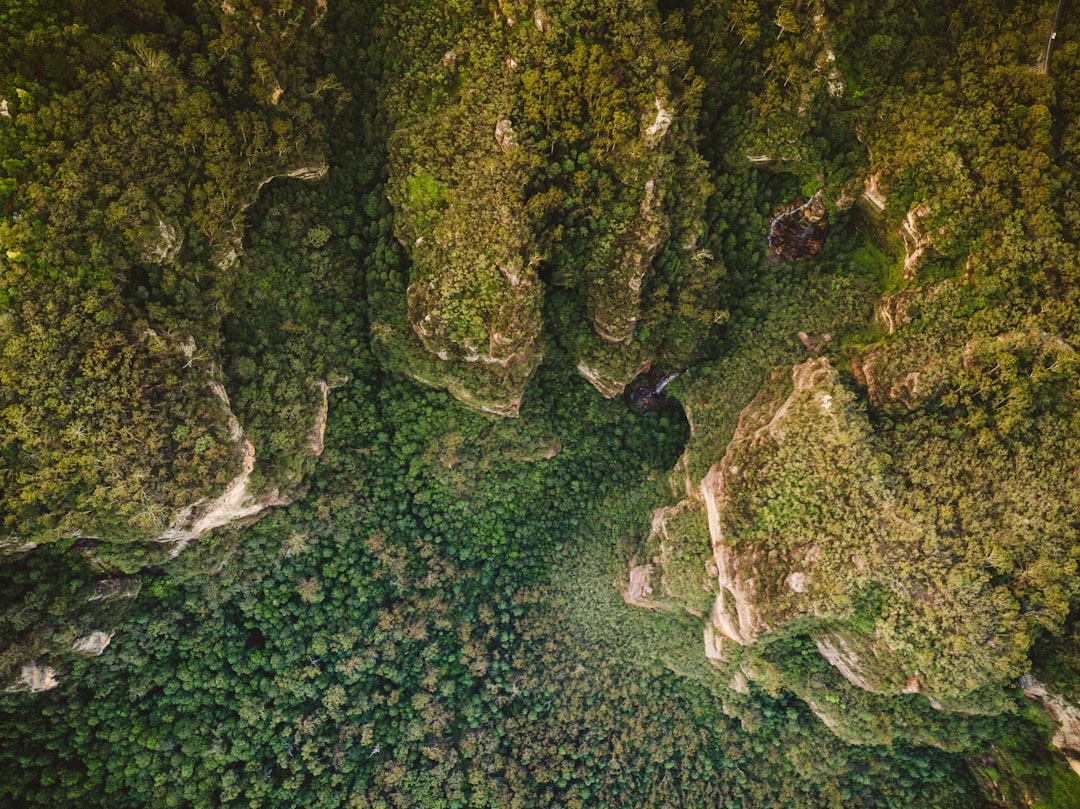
(542, 153)
(780, 298)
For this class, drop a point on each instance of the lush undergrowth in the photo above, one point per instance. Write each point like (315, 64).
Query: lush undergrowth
(436, 621)
(398, 639)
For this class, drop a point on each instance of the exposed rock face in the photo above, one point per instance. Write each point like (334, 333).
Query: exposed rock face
(609, 386)
(659, 126)
(801, 427)
(916, 240)
(913, 235)
(93, 644)
(9, 546)
(909, 373)
(114, 588)
(836, 649)
(475, 206)
(1064, 713)
(308, 174)
(637, 593)
(233, 505)
(504, 132)
(872, 192)
(474, 297)
(228, 251)
(36, 678)
(237, 502)
(163, 241)
(820, 525)
(740, 612)
(317, 440)
(615, 296)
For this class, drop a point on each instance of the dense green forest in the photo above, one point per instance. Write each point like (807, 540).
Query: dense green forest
(539, 404)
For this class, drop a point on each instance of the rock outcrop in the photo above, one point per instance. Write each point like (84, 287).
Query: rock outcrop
(1065, 715)
(473, 298)
(237, 502)
(229, 248)
(914, 237)
(162, 240)
(481, 205)
(35, 678)
(801, 530)
(93, 644)
(317, 437)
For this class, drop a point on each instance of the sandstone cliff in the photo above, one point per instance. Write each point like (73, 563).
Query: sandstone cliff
(809, 530)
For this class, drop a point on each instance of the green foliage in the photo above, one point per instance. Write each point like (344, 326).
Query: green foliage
(548, 152)
(432, 621)
(395, 634)
(127, 166)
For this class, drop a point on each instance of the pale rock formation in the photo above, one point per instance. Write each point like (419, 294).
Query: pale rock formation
(236, 503)
(36, 678)
(114, 589)
(615, 317)
(166, 248)
(639, 589)
(798, 582)
(608, 385)
(836, 650)
(739, 684)
(916, 241)
(659, 126)
(93, 644)
(749, 580)
(872, 192)
(308, 174)
(10, 546)
(504, 134)
(835, 78)
(509, 408)
(1064, 713)
(317, 440)
(228, 252)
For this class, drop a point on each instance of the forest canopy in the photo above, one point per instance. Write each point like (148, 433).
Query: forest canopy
(351, 352)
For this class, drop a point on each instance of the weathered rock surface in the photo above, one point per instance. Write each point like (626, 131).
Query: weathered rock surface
(111, 589)
(237, 502)
(317, 438)
(608, 383)
(821, 525)
(230, 246)
(1065, 714)
(615, 293)
(477, 213)
(93, 644)
(36, 678)
(792, 545)
(163, 240)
